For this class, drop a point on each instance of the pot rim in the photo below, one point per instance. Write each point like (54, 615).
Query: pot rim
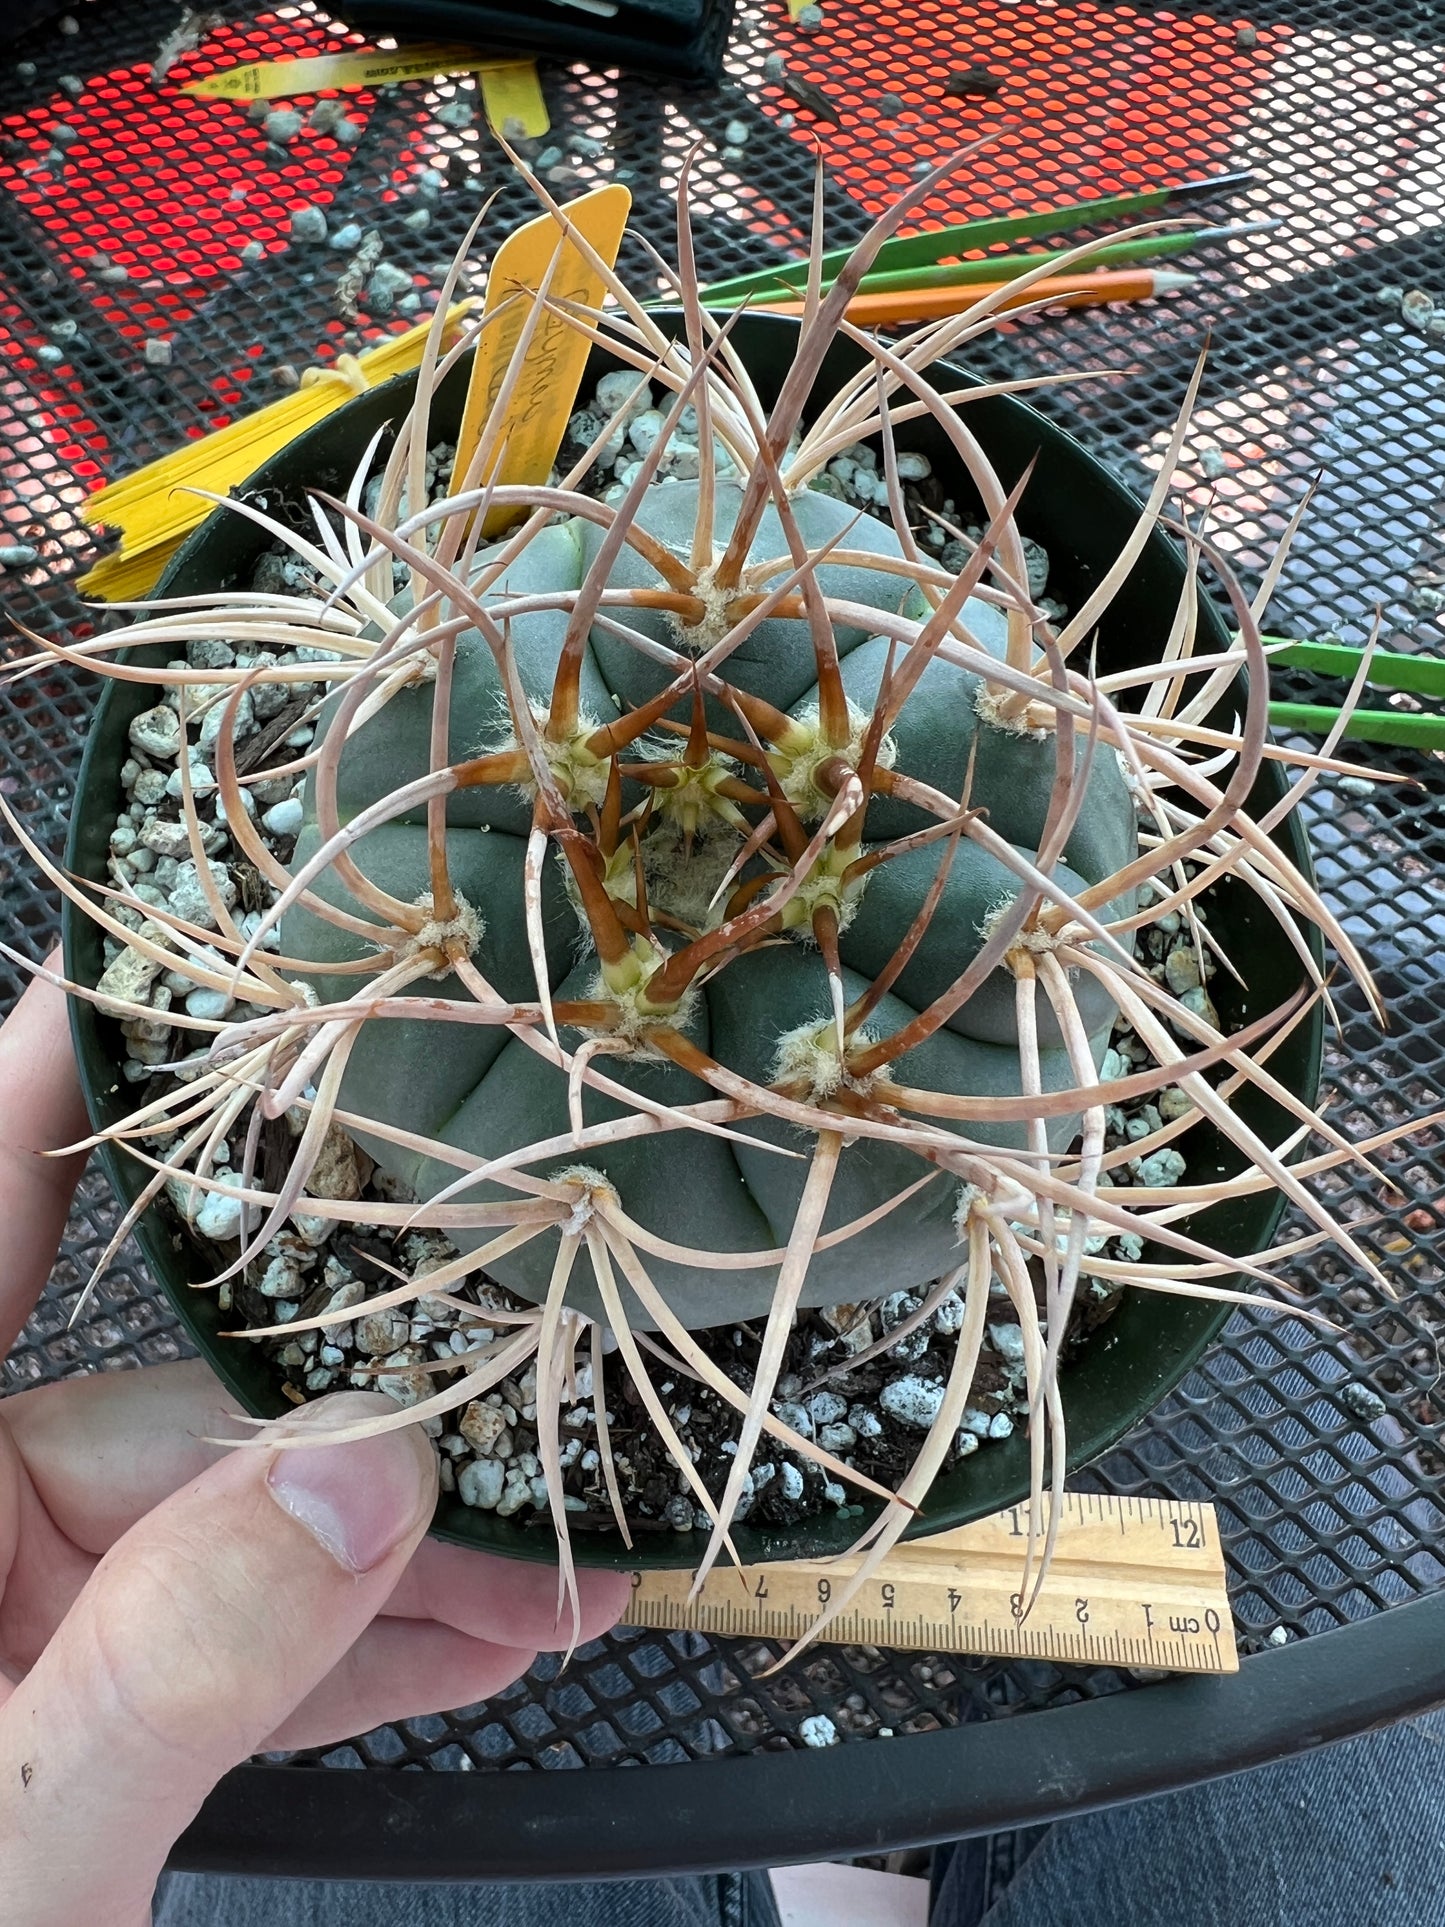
(956, 1497)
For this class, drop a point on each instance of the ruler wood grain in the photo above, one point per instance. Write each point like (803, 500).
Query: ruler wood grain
(1133, 1582)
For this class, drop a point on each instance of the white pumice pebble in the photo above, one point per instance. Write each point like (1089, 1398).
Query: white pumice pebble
(308, 224)
(914, 1402)
(284, 819)
(817, 1729)
(219, 1217)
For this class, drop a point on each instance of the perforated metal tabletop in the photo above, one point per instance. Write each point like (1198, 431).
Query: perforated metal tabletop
(166, 219)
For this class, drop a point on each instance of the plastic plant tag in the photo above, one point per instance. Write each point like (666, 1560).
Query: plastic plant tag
(280, 79)
(512, 97)
(524, 439)
(156, 507)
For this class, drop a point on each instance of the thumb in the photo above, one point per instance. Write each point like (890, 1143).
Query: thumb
(195, 1636)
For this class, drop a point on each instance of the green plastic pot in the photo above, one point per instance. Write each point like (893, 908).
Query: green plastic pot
(1082, 515)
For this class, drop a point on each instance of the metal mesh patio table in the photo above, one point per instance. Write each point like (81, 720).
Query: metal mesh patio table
(167, 220)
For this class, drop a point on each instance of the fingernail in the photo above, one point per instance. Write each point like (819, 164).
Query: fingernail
(359, 1500)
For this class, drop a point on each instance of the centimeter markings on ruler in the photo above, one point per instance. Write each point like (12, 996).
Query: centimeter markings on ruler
(1133, 1582)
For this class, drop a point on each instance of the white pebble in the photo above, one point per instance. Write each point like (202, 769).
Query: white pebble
(189, 900)
(165, 838)
(914, 1402)
(219, 1218)
(736, 133)
(159, 352)
(913, 467)
(1161, 1169)
(480, 1484)
(308, 224)
(1181, 969)
(212, 1005)
(949, 1316)
(817, 1729)
(156, 732)
(202, 781)
(790, 1481)
(282, 126)
(644, 429)
(347, 237)
(794, 1416)
(282, 1279)
(1197, 1002)
(482, 1425)
(1008, 1342)
(614, 388)
(387, 282)
(284, 819)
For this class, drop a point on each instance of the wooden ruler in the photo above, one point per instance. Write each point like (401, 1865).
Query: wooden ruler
(1133, 1582)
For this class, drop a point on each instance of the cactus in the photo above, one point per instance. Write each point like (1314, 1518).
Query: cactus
(710, 905)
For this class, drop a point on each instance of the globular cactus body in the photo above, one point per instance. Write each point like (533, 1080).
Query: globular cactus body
(487, 1095)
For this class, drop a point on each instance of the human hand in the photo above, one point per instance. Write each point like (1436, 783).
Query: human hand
(168, 1608)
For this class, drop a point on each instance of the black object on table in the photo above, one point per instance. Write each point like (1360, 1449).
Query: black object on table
(1322, 1450)
(680, 38)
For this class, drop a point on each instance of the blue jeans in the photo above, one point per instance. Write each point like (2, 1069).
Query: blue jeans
(1350, 1836)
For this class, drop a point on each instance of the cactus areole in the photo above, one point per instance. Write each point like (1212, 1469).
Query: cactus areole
(675, 934)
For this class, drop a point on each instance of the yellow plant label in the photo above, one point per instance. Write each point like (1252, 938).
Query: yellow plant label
(529, 431)
(512, 98)
(795, 7)
(279, 79)
(156, 507)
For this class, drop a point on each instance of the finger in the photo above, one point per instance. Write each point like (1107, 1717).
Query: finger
(196, 1637)
(399, 1669)
(512, 1601)
(104, 1451)
(40, 1110)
